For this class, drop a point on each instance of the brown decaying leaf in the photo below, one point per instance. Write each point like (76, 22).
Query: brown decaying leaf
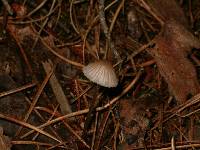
(169, 9)
(171, 50)
(170, 53)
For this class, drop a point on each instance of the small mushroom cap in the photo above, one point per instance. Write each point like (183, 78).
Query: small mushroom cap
(102, 73)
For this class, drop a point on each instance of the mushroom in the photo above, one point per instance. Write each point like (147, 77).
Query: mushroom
(102, 73)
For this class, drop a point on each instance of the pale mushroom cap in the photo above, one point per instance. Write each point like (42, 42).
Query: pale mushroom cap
(102, 73)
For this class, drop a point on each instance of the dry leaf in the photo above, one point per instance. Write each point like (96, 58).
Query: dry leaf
(169, 9)
(170, 53)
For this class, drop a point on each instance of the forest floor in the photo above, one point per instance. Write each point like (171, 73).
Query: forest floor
(99, 75)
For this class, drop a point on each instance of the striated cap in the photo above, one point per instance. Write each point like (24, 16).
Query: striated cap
(102, 73)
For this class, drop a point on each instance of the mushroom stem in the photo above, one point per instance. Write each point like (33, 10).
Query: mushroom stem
(90, 114)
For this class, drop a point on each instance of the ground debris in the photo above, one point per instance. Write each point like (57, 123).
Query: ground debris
(5, 142)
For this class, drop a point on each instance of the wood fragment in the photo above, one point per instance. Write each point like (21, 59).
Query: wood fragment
(7, 6)
(57, 89)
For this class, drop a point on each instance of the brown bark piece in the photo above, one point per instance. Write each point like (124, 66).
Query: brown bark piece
(170, 53)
